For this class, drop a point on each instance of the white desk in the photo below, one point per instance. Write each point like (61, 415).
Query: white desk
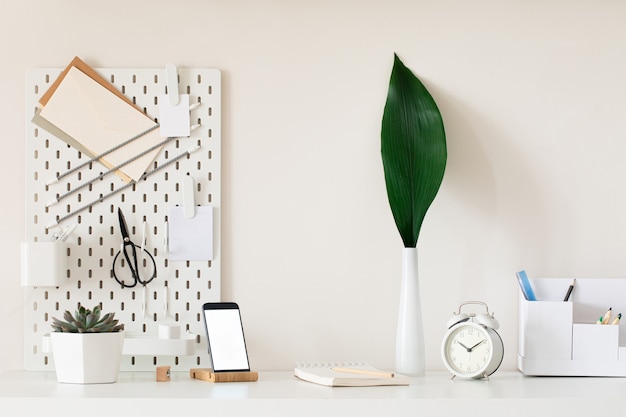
(280, 394)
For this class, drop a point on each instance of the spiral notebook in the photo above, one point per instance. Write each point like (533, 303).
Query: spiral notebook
(359, 374)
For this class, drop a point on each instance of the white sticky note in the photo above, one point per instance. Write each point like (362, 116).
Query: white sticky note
(174, 121)
(190, 239)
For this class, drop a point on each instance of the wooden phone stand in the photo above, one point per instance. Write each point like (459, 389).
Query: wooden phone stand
(207, 374)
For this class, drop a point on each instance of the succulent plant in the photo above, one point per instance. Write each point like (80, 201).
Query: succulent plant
(85, 320)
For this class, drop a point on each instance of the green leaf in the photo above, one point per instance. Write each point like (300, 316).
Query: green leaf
(413, 148)
(67, 316)
(90, 320)
(96, 313)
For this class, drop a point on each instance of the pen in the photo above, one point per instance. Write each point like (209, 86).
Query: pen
(607, 316)
(364, 372)
(569, 290)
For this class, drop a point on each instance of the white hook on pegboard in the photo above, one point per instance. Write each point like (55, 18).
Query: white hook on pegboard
(171, 76)
(174, 117)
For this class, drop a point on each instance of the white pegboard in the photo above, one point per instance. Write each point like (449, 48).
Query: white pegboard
(96, 239)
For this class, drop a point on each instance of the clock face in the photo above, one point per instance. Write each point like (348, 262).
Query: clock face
(467, 350)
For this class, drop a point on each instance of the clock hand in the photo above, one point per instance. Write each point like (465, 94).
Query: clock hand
(464, 347)
(470, 349)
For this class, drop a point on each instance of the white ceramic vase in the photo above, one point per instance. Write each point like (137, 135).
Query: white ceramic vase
(87, 358)
(410, 357)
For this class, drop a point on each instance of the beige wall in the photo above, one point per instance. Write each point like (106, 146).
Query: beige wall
(532, 94)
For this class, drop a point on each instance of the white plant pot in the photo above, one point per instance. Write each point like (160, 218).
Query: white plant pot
(87, 358)
(410, 354)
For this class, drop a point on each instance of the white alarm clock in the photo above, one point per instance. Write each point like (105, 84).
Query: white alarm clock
(471, 347)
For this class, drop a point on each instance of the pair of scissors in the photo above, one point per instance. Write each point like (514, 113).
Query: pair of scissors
(128, 265)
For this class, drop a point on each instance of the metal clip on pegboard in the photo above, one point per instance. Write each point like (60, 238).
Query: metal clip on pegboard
(175, 297)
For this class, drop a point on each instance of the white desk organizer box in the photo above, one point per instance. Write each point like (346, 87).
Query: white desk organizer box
(558, 338)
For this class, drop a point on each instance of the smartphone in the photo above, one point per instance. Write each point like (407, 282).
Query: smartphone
(224, 330)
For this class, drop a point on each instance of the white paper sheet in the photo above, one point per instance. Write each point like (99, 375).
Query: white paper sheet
(174, 121)
(190, 239)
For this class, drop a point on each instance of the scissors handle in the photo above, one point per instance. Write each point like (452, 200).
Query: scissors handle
(133, 266)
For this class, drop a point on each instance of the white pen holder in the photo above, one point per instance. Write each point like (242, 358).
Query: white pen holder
(562, 338)
(44, 264)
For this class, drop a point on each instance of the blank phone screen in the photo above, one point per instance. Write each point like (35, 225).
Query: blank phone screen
(227, 345)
